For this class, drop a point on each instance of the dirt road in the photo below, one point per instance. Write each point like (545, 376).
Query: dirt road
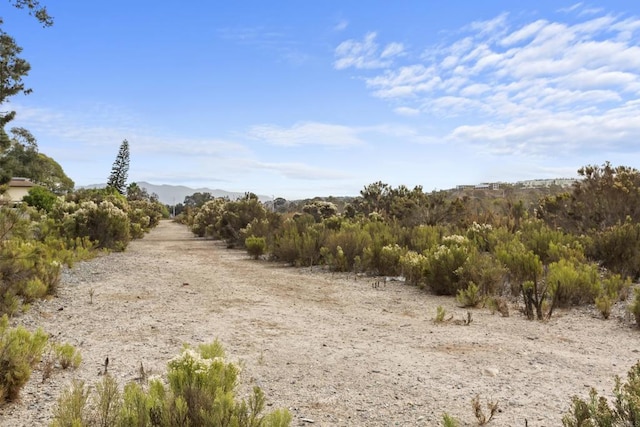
(334, 350)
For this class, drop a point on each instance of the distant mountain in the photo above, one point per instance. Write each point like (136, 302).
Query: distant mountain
(174, 194)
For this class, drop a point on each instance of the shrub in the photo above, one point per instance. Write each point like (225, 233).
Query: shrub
(424, 237)
(40, 198)
(67, 355)
(573, 284)
(604, 303)
(618, 249)
(440, 313)
(522, 264)
(469, 297)
(449, 421)
(350, 238)
(445, 261)
(71, 410)
(483, 269)
(598, 412)
(634, 307)
(200, 391)
(389, 264)
(256, 246)
(413, 267)
(104, 223)
(20, 350)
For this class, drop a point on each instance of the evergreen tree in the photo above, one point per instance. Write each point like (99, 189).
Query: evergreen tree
(120, 169)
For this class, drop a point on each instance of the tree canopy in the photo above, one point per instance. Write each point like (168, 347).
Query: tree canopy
(12, 67)
(22, 158)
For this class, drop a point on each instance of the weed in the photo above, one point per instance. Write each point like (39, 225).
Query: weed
(67, 355)
(469, 297)
(440, 314)
(449, 421)
(480, 414)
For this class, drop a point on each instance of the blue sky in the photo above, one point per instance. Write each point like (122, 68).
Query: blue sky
(315, 98)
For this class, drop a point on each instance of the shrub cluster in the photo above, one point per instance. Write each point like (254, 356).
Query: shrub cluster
(199, 391)
(455, 245)
(37, 241)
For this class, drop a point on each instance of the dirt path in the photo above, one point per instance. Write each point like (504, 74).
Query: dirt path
(333, 350)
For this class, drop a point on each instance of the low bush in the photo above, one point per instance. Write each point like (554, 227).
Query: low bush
(256, 246)
(20, 351)
(200, 391)
(469, 297)
(597, 411)
(67, 355)
(634, 307)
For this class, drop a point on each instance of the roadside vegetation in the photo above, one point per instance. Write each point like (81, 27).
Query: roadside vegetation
(567, 247)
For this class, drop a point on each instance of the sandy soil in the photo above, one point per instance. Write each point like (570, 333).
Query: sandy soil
(336, 351)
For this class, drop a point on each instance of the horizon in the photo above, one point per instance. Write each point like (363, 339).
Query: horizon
(295, 102)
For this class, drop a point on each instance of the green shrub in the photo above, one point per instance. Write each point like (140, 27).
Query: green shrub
(634, 307)
(28, 270)
(389, 264)
(20, 350)
(104, 223)
(256, 246)
(352, 240)
(424, 237)
(469, 297)
(200, 392)
(71, 410)
(598, 412)
(522, 264)
(449, 421)
(483, 269)
(413, 267)
(445, 262)
(573, 284)
(604, 303)
(618, 249)
(67, 355)
(40, 198)
(440, 314)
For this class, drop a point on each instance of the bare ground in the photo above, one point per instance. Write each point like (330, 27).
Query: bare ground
(334, 350)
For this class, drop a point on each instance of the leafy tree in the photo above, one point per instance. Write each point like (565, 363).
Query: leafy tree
(120, 169)
(605, 196)
(137, 193)
(196, 200)
(12, 67)
(40, 198)
(23, 159)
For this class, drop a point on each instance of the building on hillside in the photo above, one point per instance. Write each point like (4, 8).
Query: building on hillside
(544, 183)
(17, 189)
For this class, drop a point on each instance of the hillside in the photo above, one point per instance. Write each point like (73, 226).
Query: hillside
(174, 194)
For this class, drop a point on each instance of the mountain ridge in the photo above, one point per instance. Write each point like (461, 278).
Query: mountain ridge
(174, 194)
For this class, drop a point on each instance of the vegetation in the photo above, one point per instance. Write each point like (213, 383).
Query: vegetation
(597, 411)
(550, 250)
(120, 170)
(20, 351)
(199, 391)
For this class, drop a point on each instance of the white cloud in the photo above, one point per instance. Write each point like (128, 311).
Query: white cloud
(391, 50)
(542, 84)
(303, 171)
(306, 133)
(365, 54)
(341, 25)
(407, 111)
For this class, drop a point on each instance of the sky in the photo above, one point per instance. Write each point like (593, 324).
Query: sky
(298, 99)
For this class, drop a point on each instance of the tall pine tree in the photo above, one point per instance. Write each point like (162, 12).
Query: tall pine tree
(120, 169)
